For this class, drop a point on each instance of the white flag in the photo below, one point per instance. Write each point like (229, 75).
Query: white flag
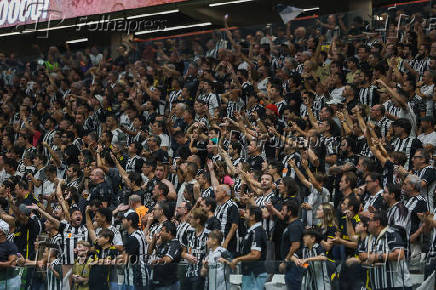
(288, 13)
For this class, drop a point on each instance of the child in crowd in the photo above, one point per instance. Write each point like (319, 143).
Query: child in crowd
(80, 274)
(101, 269)
(214, 265)
(54, 269)
(312, 258)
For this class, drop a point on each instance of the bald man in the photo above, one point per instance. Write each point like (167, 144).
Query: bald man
(227, 212)
(99, 189)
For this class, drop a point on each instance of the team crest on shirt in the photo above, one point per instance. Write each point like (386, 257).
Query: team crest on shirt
(69, 235)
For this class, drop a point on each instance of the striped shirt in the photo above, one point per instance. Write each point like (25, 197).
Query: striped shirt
(173, 96)
(57, 240)
(398, 215)
(289, 171)
(368, 96)
(233, 106)
(408, 146)
(384, 124)
(196, 246)
(71, 235)
(228, 215)
(132, 164)
(388, 274)
(136, 272)
(48, 138)
(182, 232)
(267, 224)
(208, 192)
(428, 174)
(416, 204)
(316, 276)
(153, 230)
(53, 282)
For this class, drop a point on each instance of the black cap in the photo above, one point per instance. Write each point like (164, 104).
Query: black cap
(132, 216)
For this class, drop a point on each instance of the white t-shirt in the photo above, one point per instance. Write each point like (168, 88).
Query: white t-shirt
(428, 138)
(337, 93)
(165, 140)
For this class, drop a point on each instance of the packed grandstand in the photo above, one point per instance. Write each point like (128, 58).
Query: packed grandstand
(294, 156)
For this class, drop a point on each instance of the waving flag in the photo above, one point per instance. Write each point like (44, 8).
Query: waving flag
(288, 13)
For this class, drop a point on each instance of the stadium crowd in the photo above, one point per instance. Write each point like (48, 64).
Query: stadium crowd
(307, 152)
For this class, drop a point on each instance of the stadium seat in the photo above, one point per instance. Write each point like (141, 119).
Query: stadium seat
(277, 283)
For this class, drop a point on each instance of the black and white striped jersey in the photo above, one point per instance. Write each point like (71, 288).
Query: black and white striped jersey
(208, 192)
(228, 214)
(233, 106)
(388, 274)
(384, 124)
(134, 164)
(173, 96)
(398, 215)
(261, 201)
(54, 282)
(316, 276)
(416, 204)
(71, 235)
(428, 174)
(57, 241)
(369, 96)
(182, 232)
(153, 230)
(408, 146)
(196, 246)
(136, 271)
(48, 138)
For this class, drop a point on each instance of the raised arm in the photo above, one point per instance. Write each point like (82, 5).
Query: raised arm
(213, 178)
(53, 154)
(62, 200)
(46, 215)
(90, 226)
(299, 174)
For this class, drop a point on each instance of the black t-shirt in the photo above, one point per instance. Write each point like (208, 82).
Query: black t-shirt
(7, 249)
(343, 229)
(100, 275)
(160, 155)
(102, 192)
(165, 275)
(132, 248)
(213, 224)
(293, 233)
(255, 239)
(255, 162)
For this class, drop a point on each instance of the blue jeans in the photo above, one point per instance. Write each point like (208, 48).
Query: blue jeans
(293, 276)
(253, 282)
(12, 283)
(175, 286)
